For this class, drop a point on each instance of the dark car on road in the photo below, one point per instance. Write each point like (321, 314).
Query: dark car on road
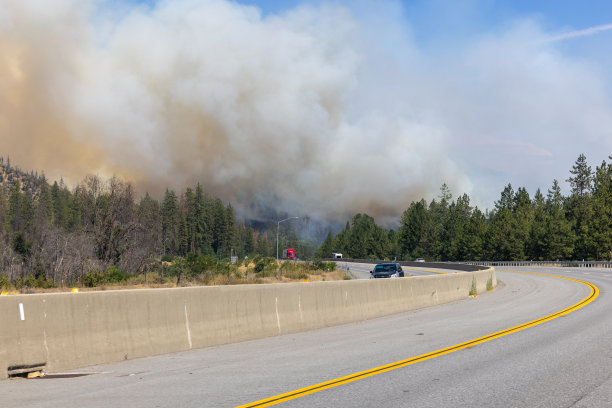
(387, 270)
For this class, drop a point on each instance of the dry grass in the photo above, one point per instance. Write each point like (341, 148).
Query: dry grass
(242, 275)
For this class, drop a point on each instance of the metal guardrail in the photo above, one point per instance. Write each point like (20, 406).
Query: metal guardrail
(465, 265)
(456, 266)
(555, 264)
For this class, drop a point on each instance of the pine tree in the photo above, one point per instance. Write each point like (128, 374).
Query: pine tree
(559, 238)
(536, 246)
(170, 220)
(506, 240)
(342, 241)
(15, 213)
(523, 215)
(600, 223)
(231, 241)
(220, 231)
(44, 205)
(325, 249)
(203, 236)
(182, 234)
(413, 238)
(470, 245)
(581, 182)
(578, 208)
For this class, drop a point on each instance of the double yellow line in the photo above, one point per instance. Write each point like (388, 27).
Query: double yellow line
(403, 363)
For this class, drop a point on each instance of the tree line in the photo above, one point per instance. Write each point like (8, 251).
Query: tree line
(56, 236)
(547, 226)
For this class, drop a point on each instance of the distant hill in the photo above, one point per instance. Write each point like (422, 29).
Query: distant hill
(28, 181)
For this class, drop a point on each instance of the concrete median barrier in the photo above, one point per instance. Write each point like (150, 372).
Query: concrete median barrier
(62, 331)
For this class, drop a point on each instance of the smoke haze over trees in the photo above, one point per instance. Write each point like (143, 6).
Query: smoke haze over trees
(547, 226)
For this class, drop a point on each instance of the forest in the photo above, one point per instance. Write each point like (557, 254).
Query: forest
(51, 235)
(100, 230)
(547, 226)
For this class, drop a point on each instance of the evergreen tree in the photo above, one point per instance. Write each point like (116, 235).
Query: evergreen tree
(505, 237)
(342, 241)
(559, 238)
(600, 223)
(361, 240)
(44, 205)
(16, 222)
(394, 250)
(523, 215)
(413, 238)
(182, 233)
(578, 208)
(581, 182)
(325, 249)
(202, 230)
(453, 222)
(536, 246)
(231, 241)
(170, 220)
(470, 242)
(220, 231)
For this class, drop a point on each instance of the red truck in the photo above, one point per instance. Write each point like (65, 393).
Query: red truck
(289, 253)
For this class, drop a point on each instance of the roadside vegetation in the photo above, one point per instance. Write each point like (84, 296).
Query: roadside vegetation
(190, 271)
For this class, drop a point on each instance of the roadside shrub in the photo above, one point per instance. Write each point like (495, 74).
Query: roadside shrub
(115, 275)
(5, 283)
(259, 266)
(33, 282)
(296, 275)
(112, 275)
(325, 266)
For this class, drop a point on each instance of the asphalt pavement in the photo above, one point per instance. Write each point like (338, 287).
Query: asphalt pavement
(362, 270)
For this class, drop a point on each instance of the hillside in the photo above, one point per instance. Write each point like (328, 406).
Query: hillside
(27, 181)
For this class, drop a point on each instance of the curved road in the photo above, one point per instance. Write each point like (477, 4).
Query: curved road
(362, 270)
(565, 362)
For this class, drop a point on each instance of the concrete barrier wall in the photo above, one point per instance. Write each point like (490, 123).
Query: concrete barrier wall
(71, 330)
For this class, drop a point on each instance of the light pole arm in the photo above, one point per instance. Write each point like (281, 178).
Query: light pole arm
(277, 227)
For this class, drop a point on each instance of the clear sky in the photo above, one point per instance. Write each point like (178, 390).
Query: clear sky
(320, 106)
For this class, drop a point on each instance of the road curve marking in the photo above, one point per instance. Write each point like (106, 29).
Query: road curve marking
(403, 363)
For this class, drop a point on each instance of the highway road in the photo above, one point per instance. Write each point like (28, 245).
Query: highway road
(563, 362)
(362, 271)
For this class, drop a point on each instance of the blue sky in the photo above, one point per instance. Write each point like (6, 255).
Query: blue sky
(481, 14)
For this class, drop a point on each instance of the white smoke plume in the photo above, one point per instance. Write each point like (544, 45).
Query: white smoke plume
(320, 111)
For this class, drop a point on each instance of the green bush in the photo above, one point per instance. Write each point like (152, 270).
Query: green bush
(115, 275)
(112, 275)
(33, 282)
(325, 266)
(93, 279)
(5, 283)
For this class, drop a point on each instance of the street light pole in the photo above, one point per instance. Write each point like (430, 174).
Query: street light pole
(277, 227)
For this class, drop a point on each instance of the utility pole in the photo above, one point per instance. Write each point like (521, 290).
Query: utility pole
(277, 227)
